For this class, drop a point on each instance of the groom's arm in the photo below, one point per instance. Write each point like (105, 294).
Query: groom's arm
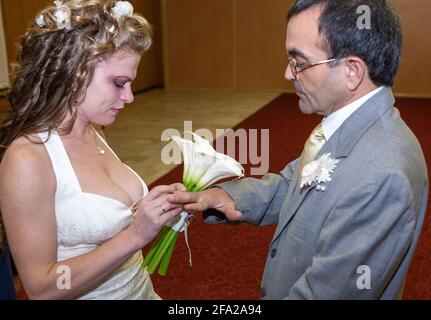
(259, 200)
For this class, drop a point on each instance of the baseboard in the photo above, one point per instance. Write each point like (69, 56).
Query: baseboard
(281, 90)
(411, 95)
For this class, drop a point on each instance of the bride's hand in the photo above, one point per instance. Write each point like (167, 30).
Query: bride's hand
(178, 187)
(153, 212)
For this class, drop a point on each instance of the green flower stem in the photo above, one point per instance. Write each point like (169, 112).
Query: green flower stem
(164, 264)
(155, 246)
(161, 251)
(190, 185)
(195, 189)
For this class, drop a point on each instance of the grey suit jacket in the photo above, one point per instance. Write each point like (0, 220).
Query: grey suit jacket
(366, 223)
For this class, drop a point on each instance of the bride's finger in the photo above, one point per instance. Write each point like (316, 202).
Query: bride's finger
(158, 191)
(170, 214)
(178, 187)
(164, 209)
(166, 206)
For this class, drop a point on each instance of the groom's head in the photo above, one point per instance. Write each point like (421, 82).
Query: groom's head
(361, 39)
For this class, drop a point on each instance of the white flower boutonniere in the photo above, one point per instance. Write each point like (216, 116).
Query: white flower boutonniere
(319, 170)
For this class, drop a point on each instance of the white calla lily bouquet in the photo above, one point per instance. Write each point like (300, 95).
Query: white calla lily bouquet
(203, 167)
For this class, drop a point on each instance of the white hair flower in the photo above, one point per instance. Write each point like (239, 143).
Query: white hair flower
(62, 15)
(40, 21)
(122, 9)
(112, 29)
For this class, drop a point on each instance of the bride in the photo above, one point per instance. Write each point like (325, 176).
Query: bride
(76, 217)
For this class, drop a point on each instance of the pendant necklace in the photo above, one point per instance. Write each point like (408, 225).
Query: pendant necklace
(101, 151)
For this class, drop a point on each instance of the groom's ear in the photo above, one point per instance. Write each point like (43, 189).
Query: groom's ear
(356, 71)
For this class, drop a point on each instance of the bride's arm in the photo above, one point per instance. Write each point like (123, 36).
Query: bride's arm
(27, 194)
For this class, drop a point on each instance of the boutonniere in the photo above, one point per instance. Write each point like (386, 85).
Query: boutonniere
(318, 170)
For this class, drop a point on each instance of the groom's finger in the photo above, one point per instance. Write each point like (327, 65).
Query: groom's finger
(195, 207)
(232, 214)
(183, 197)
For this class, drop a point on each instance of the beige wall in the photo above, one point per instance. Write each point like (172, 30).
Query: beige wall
(234, 44)
(19, 14)
(414, 77)
(239, 44)
(150, 72)
(261, 36)
(4, 69)
(199, 43)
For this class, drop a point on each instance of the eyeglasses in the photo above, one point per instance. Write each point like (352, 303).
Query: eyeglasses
(299, 67)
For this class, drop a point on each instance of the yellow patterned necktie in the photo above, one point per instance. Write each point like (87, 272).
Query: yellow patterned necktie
(313, 145)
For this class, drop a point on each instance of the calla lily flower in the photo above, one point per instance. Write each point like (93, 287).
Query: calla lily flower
(223, 167)
(203, 167)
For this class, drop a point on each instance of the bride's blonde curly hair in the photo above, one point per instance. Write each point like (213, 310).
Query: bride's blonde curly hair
(56, 65)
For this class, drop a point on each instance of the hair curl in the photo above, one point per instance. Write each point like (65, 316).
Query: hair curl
(55, 66)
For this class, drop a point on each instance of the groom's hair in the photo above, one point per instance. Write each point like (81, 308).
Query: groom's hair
(379, 46)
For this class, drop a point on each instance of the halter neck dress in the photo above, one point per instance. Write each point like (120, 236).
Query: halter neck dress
(87, 220)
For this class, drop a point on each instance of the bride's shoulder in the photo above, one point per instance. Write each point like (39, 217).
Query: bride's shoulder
(26, 174)
(30, 144)
(26, 153)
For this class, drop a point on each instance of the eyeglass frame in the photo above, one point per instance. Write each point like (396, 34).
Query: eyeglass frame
(304, 66)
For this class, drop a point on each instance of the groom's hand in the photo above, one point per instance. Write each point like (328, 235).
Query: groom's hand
(214, 198)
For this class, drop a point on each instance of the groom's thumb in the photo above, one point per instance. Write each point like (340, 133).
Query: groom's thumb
(232, 214)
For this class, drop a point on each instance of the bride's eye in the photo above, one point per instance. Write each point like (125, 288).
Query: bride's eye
(119, 84)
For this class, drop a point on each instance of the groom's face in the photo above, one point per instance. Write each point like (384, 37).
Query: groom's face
(320, 88)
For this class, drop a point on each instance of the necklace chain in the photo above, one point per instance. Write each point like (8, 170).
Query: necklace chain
(100, 149)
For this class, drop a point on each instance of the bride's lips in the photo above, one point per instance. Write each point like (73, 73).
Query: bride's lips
(116, 110)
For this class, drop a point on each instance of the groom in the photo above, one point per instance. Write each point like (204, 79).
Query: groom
(351, 236)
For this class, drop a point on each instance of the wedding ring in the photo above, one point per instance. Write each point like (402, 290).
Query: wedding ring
(163, 209)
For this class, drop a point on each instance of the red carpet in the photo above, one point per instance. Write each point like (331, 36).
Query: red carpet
(228, 261)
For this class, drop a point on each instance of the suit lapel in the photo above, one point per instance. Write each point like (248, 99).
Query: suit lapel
(339, 146)
(298, 195)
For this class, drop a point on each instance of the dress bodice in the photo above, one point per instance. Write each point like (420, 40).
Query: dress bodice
(87, 220)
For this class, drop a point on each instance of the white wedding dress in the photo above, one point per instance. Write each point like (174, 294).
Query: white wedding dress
(86, 220)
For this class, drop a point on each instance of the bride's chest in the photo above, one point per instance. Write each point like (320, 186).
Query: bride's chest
(107, 176)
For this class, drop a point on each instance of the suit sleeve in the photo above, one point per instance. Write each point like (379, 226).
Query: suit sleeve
(259, 200)
(368, 231)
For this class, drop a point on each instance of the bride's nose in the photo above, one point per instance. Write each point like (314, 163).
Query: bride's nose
(127, 94)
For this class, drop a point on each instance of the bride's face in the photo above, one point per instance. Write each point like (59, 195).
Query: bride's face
(110, 89)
